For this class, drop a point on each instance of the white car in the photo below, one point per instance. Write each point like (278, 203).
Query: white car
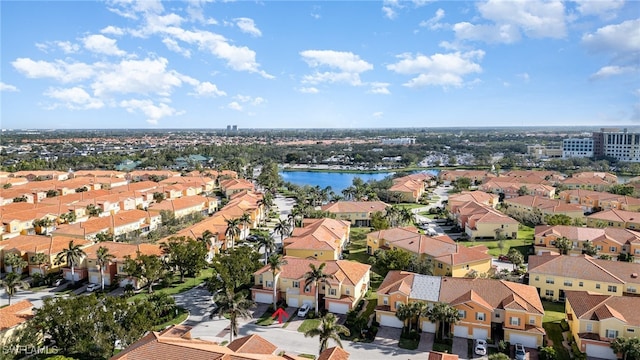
(92, 287)
(304, 310)
(480, 347)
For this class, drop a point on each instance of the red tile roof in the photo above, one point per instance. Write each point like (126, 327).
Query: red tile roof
(15, 314)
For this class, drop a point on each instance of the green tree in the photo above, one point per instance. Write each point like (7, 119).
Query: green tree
(558, 219)
(523, 190)
(564, 245)
(463, 183)
(233, 269)
(283, 227)
(442, 314)
(103, 258)
(39, 259)
(11, 283)
(589, 249)
(628, 347)
(185, 255)
(328, 329)
(233, 231)
(145, 268)
(104, 236)
(16, 262)
(379, 221)
(387, 260)
(276, 262)
(233, 306)
(72, 256)
(245, 220)
(515, 257)
(316, 276)
(547, 353)
(622, 189)
(269, 245)
(499, 356)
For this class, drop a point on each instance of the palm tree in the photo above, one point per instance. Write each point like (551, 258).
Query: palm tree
(233, 306)
(417, 309)
(315, 276)
(269, 245)
(406, 216)
(11, 283)
(103, 257)
(276, 262)
(245, 219)
(403, 313)
(441, 314)
(233, 230)
(328, 329)
(39, 258)
(72, 256)
(15, 261)
(283, 228)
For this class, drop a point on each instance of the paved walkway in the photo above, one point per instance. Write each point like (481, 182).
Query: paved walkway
(460, 347)
(426, 342)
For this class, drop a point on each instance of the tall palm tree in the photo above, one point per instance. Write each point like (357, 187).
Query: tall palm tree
(441, 314)
(326, 330)
(11, 283)
(406, 216)
(276, 262)
(234, 306)
(403, 313)
(103, 257)
(16, 262)
(205, 238)
(39, 259)
(417, 309)
(233, 230)
(283, 228)
(315, 276)
(269, 245)
(72, 255)
(245, 219)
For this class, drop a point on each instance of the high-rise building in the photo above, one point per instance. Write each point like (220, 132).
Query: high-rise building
(621, 145)
(575, 147)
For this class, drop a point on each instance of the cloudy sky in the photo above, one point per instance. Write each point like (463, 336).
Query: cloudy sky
(306, 64)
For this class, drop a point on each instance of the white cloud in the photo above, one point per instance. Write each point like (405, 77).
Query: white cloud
(247, 25)
(112, 30)
(153, 112)
(434, 22)
(8, 88)
(74, 98)
(505, 33)
(617, 38)
(234, 105)
(102, 45)
(524, 76)
(377, 114)
(438, 69)
(175, 47)
(250, 100)
(389, 13)
(308, 90)
(379, 88)
(604, 9)
(59, 70)
(207, 89)
(148, 76)
(349, 65)
(68, 47)
(612, 70)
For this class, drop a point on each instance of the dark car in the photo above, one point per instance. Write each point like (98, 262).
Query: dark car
(252, 238)
(504, 258)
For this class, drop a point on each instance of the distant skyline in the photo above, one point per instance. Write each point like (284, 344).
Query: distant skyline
(330, 64)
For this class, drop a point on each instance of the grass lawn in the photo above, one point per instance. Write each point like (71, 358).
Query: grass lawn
(553, 311)
(308, 324)
(183, 314)
(308, 356)
(554, 333)
(178, 287)
(266, 319)
(428, 215)
(494, 250)
(409, 205)
(445, 347)
(406, 342)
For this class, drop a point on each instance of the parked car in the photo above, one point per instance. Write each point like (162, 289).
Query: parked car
(520, 353)
(252, 238)
(92, 287)
(58, 282)
(304, 310)
(480, 347)
(504, 258)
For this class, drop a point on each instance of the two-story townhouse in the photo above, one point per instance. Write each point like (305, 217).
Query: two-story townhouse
(615, 218)
(38, 175)
(608, 241)
(485, 306)
(12, 318)
(349, 283)
(464, 197)
(477, 176)
(597, 200)
(447, 256)
(594, 183)
(322, 239)
(184, 206)
(232, 186)
(527, 205)
(255, 204)
(605, 176)
(552, 275)
(410, 188)
(511, 189)
(204, 183)
(26, 246)
(123, 225)
(144, 175)
(357, 212)
(98, 173)
(482, 221)
(595, 320)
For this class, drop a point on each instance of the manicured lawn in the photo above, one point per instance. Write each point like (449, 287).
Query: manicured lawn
(308, 356)
(178, 287)
(409, 205)
(446, 347)
(408, 342)
(266, 319)
(553, 311)
(494, 249)
(183, 314)
(554, 333)
(308, 324)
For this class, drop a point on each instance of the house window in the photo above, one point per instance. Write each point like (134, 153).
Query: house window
(548, 293)
(568, 283)
(537, 278)
(581, 284)
(440, 266)
(612, 249)
(480, 316)
(612, 288)
(462, 313)
(589, 327)
(385, 300)
(597, 286)
(497, 315)
(550, 281)
(347, 291)
(296, 284)
(515, 321)
(631, 330)
(268, 284)
(599, 247)
(631, 289)
(612, 334)
(398, 303)
(532, 321)
(307, 288)
(332, 292)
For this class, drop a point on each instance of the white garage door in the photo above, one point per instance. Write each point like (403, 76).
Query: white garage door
(94, 279)
(428, 326)
(526, 340)
(460, 331)
(603, 352)
(264, 298)
(480, 333)
(338, 308)
(293, 302)
(391, 321)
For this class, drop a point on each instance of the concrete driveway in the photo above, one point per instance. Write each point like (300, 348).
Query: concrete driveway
(460, 347)
(387, 336)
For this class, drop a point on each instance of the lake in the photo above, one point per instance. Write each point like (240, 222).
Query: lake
(337, 180)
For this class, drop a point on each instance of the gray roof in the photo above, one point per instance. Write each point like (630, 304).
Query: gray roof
(425, 287)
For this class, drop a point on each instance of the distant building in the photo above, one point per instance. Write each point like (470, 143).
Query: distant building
(543, 151)
(621, 145)
(399, 141)
(577, 148)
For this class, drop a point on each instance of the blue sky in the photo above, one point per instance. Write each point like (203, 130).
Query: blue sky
(329, 64)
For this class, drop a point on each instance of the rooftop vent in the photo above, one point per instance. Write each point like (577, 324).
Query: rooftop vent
(634, 275)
